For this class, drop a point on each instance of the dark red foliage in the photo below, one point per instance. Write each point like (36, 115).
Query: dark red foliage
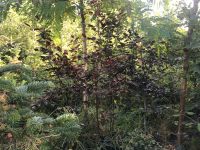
(115, 69)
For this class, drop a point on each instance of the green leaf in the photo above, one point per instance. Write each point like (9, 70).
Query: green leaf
(176, 115)
(198, 127)
(196, 68)
(190, 113)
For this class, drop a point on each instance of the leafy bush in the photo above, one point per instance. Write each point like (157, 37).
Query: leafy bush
(68, 126)
(34, 124)
(137, 140)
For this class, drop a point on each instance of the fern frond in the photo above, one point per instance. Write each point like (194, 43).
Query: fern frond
(21, 89)
(13, 68)
(34, 87)
(26, 77)
(68, 125)
(6, 85)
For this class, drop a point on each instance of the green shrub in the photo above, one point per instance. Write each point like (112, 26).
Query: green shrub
(68, 126)
(137, 140)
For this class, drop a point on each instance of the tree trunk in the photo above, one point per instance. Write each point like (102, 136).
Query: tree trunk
(183, 95)
(85, 62)
(145, 115)
(98, 69)
(184, 88)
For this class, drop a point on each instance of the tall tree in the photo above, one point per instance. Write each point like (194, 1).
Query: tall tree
(85, 53)
(184, 83)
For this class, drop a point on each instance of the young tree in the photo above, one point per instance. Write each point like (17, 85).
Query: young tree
(85, 64)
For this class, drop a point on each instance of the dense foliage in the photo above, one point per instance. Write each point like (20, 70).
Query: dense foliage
(99, 74)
